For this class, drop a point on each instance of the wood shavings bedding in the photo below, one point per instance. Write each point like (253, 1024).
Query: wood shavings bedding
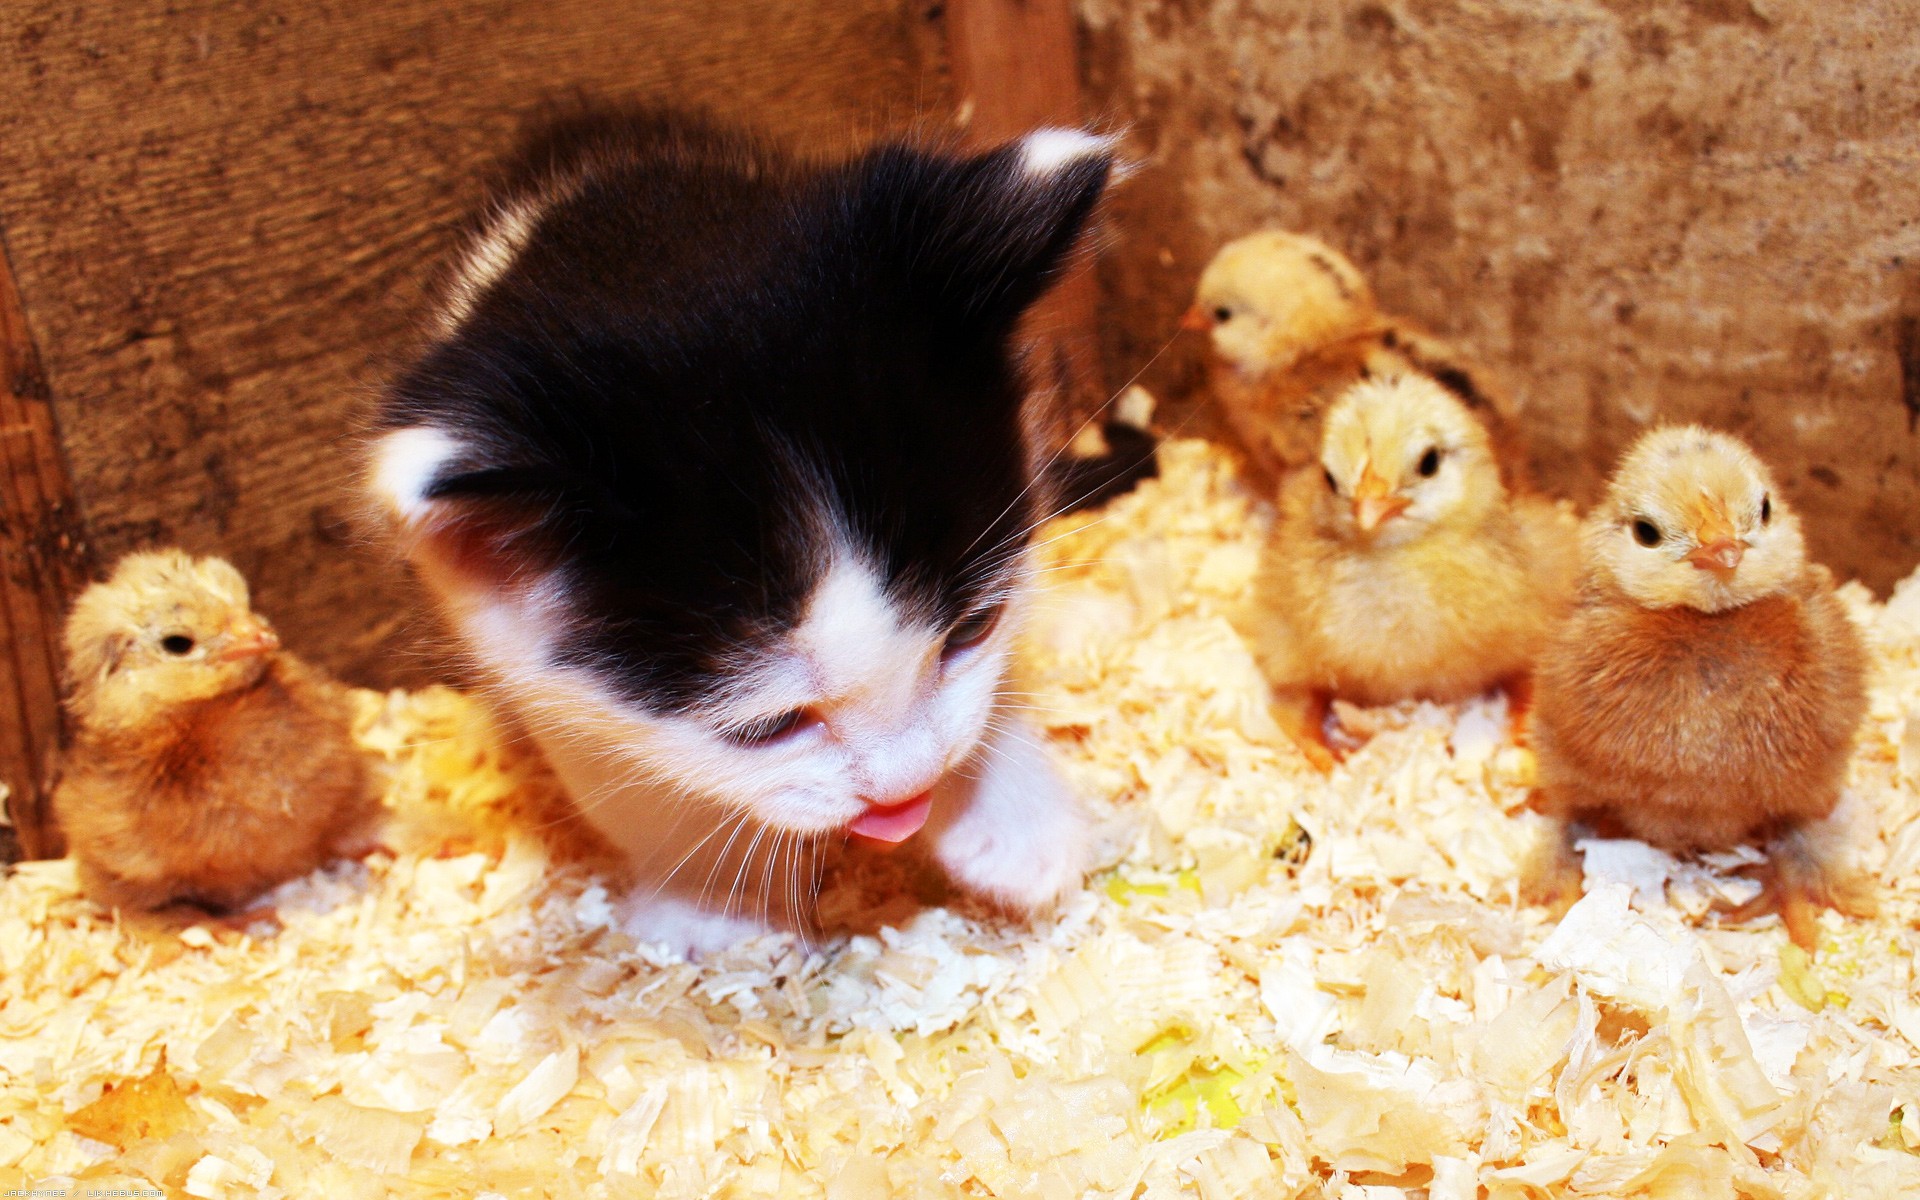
(1210, 1018)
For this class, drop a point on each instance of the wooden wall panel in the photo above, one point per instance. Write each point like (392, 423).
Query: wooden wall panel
(222, 214)
(1015, 68)
(221, 217)
(42, 558)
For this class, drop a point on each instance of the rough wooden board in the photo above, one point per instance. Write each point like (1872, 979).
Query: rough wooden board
(1015, 69)
(222, 217)
(1639, 211)
(41, 556)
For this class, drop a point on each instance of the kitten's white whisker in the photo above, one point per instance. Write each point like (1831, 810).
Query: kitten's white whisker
(766, 893)
(720, 859)
(737, 822)
(1093, 522)
(1068, 506)
(1065, 445)
(735, 892)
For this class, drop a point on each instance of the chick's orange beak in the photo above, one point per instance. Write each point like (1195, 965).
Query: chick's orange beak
(1720, 556)
(1196, 320)
(248, 638)
(1720, 548)
(1374, 502)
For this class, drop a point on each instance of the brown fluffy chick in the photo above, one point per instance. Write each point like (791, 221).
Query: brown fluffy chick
(1403, 568)
(208, 764)
(1706, 690)
(1292, 325)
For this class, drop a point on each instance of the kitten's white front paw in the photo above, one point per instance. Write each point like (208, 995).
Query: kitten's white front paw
(1006, 826)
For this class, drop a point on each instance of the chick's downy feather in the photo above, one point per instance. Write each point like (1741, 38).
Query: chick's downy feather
(208, 764)
(1402, 567)
(1707, 688)
(1291, 324)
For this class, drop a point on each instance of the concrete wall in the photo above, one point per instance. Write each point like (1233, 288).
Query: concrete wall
(1637, 210)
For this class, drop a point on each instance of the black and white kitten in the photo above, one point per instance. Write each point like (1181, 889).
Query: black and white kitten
(723, 466)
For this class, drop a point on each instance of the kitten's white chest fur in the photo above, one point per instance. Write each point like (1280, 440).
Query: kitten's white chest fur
(1003, 825)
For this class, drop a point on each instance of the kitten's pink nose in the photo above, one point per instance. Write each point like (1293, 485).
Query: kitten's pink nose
(887, 825)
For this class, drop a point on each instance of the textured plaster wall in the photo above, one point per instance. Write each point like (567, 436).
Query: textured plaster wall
(1635, 210)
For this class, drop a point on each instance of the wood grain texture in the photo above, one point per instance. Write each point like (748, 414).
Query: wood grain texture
(222, 217)
(1015, 69)
(42, 557)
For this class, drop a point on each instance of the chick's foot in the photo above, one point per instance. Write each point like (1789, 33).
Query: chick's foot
(1797, 885)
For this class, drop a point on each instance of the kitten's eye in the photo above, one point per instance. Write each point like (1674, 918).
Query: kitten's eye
(972, 629)
(1223, 314)
(766, 729)
(1766, 509)
(1646, 532)
(177, 644)
(1333, 485)
(1430, 461)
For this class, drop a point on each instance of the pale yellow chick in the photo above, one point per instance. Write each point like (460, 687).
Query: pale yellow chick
(1403, 568)
(1292, 324)
(208, 764)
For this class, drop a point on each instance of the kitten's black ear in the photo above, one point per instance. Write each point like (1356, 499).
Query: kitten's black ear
(978, 238)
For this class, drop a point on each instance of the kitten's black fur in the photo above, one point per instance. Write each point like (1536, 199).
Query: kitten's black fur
(704, 340)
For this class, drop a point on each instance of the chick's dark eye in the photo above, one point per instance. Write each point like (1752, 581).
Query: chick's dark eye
(177, 644)
(1646, 532)
(1766, 509)
(766, 729)
(1430, 461)
(972, 629)
(1223, 314)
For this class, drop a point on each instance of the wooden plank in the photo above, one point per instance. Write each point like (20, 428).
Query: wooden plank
(42, 562)
(223, 215)
(1015, 68)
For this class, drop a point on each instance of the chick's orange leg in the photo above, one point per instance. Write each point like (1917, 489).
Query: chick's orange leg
(1797, 885)
(1553, 877)
(1519, 690)
(1303, 717)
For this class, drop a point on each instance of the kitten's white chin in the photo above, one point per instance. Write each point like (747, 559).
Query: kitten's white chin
(684, 928)
(1003, 826)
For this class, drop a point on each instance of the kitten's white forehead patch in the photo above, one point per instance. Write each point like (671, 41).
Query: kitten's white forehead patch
(405, 466)
(1047, 151)
(855, 640)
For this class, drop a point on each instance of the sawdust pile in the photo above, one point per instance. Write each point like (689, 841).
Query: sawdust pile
(1214, 1017)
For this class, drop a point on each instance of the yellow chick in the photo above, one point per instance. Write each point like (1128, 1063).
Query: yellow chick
(1292, 324)
(1706, 690)
(208, 764)
(1403, 568)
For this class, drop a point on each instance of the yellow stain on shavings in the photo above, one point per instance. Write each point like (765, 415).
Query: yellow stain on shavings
(1903, 1130)
(1182, 1082)
(1122, 890)
(1798, 980)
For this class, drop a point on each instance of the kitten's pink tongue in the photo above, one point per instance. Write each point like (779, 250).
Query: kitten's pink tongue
(893, 824)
